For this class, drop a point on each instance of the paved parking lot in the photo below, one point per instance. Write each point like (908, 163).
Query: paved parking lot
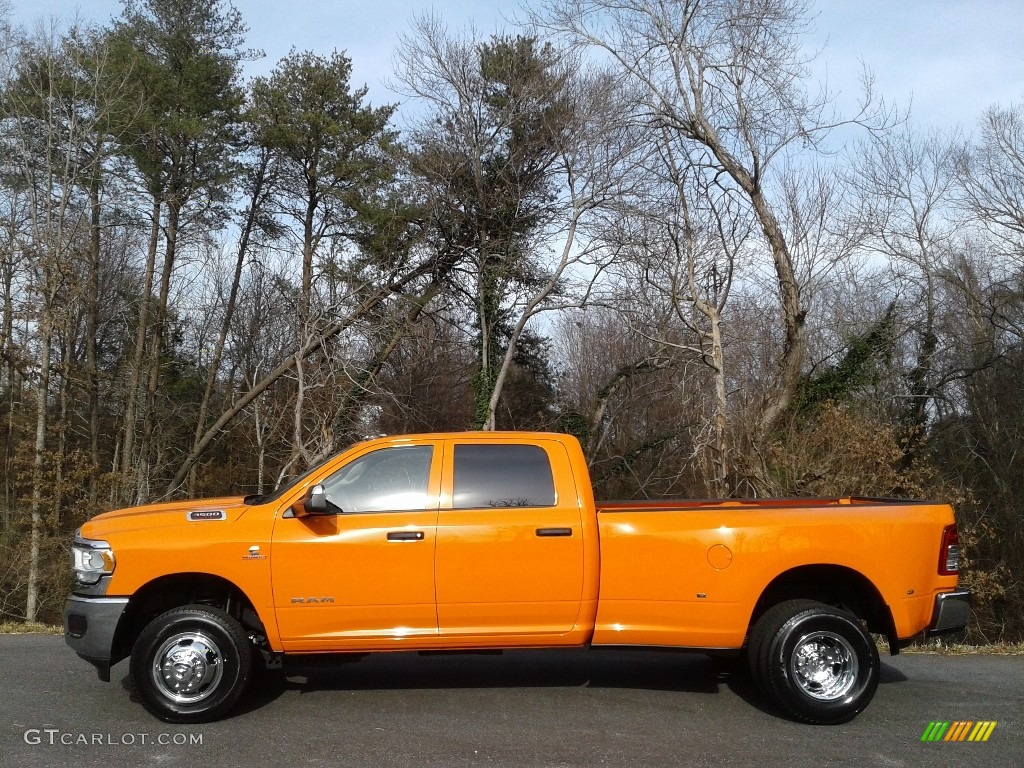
(527, 708)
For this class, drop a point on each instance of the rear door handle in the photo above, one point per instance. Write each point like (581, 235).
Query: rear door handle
(545, 532)
(405, 536)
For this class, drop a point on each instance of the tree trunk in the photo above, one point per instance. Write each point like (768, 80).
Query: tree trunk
(720, 420)
(308, 247)
(793, 316)
(8, 383)
(60, 455)
(259, 181)
(498, 381)
(139, 354)
(157, 345)
(92, 321)
(38, 463)
(485, 419)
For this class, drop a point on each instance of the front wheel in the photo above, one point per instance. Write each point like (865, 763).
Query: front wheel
(816, 662)
(191, 664)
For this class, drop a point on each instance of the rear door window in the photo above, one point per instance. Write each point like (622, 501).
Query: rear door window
(502, 476)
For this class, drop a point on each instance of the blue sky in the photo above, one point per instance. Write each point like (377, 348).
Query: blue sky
(954, 58)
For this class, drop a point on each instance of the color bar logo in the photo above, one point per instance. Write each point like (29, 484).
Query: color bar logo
(958, 730)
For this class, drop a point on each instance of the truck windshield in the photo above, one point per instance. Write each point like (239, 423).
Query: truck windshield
(293, 483)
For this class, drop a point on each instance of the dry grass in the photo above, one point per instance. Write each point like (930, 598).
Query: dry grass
(937, 646)
(22, 628)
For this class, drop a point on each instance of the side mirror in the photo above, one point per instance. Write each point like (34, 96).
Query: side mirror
(314, 502)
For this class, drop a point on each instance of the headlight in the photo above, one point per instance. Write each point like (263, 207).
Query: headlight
(93, 560)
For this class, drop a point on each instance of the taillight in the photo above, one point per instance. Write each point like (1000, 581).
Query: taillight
(949, 554)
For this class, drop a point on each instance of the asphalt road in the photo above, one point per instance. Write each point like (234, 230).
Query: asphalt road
(527, 708)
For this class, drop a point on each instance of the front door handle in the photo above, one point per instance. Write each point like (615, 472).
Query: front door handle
(405, 536)
(545, 532)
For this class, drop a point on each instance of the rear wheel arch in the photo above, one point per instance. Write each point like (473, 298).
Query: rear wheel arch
(834, 585)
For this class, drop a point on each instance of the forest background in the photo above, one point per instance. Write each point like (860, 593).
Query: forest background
(642, 222)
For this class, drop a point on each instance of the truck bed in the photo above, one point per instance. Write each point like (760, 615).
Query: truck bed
(693, 580)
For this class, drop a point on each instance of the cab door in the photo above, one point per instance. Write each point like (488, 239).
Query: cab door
(362, 576)
(509, 558)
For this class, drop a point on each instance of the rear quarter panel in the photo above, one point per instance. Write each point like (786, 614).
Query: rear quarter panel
(691, 575)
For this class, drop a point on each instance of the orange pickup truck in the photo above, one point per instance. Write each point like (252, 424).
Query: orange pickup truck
(491, 540)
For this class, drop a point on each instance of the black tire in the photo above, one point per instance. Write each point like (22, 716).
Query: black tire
(191, 664)
(763, 633)
(816, 662)
(760, 635)
(754, 643)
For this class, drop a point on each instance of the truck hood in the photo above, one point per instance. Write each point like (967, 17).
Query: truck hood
(165, 514)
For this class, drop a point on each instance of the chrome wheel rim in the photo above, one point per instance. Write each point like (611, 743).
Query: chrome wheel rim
(824, 666)
(187, 668)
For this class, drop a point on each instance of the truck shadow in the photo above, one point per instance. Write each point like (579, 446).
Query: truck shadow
(740, 683)
(640, 669)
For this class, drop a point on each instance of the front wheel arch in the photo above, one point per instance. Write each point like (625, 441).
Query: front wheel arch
(179, 589)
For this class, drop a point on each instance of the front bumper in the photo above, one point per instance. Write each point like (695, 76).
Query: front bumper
(951, 613)
(89, 627)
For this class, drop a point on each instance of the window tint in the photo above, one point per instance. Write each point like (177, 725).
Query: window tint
(391, 479)
(502, 476)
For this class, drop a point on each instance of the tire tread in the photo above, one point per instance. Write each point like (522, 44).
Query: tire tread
(769, 631)
(146, 642)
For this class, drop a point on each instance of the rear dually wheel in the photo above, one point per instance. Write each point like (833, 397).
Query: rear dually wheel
(816, 662)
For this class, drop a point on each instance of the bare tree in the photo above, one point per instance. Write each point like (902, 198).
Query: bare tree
(419, 276)
(491, 151)
(185, 56)
(52, 130)
(992, 177)
(680, 250)
(597, 165)
(906, 185)
(632, 402)
(727, 77)
(258, 182)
